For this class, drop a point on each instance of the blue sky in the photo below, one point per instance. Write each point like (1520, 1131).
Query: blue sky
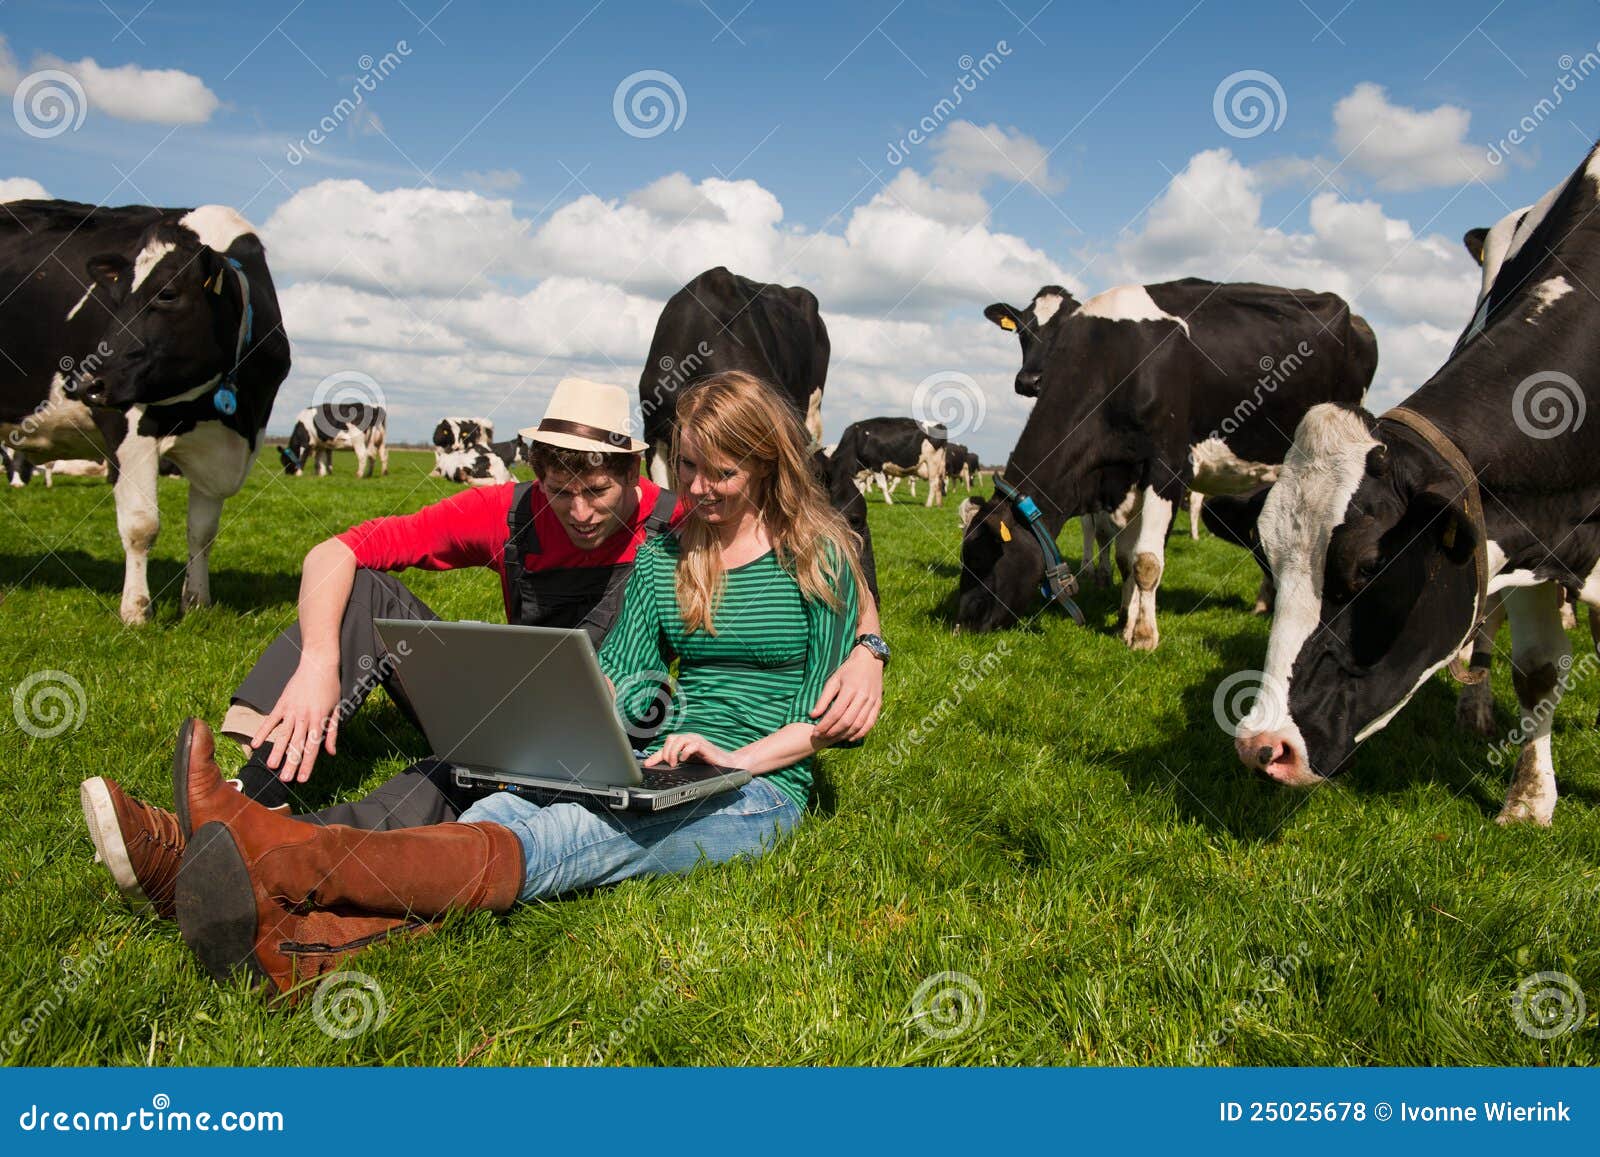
(498, 118)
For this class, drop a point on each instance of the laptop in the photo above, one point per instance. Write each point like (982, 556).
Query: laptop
(527, 710)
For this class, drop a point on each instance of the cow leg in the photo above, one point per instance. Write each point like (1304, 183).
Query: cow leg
(138, 518)
(883, 484)
(1195, 499)
(1105, 537)
(1149, 533)
(363, 457)
(1266, 596)
(1475, 704)
(1569, 613)
(383, 454)
(1541, 655)
(205, 515)
(658, 467)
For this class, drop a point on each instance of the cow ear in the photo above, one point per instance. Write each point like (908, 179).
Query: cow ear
(112, 272)
(970, 509)
(1378, 461)
(1474, 242)
(1445, 509)
(1003, 316)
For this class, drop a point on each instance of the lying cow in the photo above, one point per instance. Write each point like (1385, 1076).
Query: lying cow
(1388, 535)
(134, 333)
(474, 467)
(320, 430)
(877, 448)
(511, 452)
(1143, 391)
(455, 434)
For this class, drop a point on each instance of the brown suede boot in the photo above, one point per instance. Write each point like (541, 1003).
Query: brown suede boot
(246, 868)
(140, 845)
(299, 949)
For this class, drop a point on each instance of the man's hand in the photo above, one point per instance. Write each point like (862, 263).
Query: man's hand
(303, 717)
(687, 747)
(851, 699)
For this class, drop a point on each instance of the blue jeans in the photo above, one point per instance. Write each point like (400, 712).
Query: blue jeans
(568, 846)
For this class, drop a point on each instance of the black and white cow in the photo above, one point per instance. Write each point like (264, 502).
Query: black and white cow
(452, 435)
(320, 430)
(512, 451)
(1143, 391)
(475, 466)
(959, 462)
(721, 321)
(1388, 535)
(1233, 518)
(876, 448)
(19, 469)
(133, 333)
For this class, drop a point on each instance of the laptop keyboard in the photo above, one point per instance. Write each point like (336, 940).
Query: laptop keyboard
(657, 778)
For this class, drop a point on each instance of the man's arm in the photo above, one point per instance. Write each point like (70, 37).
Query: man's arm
(305, 713)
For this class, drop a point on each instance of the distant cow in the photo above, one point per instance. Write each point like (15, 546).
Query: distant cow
(959, 463)
(1145, 390)
(136, 332)
(880, 447)
(720, 321)
(453, 434)
(320, 430)
(511, 452)
(474, 467)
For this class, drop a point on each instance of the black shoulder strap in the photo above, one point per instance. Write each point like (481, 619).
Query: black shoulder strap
(521, 539)
(661, 517)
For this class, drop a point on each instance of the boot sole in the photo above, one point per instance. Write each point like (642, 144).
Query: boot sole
(217, 906)
(180, 777)
(100, 815)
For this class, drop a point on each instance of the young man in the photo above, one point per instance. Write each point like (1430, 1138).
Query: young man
(576, 532)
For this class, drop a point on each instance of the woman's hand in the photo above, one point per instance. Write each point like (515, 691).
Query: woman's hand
(304, 716)
(851, 698)
(687, 747)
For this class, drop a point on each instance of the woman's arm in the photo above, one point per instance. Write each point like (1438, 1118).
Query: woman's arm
(853, 696)
(785, 747)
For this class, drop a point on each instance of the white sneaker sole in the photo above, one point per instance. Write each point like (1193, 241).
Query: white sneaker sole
(100, 814)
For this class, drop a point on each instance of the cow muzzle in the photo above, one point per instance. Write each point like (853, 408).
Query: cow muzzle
(1278, 756)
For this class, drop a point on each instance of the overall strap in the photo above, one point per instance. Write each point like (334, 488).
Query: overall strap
(661, 517)
(521, 539)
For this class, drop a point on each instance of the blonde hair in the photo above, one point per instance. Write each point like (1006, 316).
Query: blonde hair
(737, 417)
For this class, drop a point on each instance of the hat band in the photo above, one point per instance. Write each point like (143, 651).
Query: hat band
(583, 430)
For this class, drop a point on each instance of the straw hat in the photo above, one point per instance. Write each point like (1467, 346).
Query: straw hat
(584, 415)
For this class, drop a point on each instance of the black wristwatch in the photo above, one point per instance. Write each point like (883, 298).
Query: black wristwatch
(876, 646)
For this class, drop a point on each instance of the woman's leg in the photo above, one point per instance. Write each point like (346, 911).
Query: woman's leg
(567, 847)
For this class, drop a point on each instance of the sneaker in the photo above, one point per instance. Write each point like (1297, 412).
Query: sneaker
(140, 845)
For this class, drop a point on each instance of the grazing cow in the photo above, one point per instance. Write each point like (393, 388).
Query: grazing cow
(959, 462)
(1144, 390)
(320, 430)
(133, 333)
(720, 321)
(1388, 535)
(880, 447)
(475, 466)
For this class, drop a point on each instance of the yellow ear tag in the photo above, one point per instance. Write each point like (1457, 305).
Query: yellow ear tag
(1449, 538)
(216, 284)
(1005, 533)
(1008, 323)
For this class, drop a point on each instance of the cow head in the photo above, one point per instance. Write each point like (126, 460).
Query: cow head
(1373, 554)
(176, 313)
(1033, 327)
(1001, 566)
(446, 435)
(293, 456)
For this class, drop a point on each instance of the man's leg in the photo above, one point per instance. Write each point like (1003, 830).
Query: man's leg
(568, 847)
(425, 793)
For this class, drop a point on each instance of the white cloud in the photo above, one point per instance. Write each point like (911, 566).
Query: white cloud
(127, 92)
(968, 156)
(21, 189)
(493, 180)
(1405, 148)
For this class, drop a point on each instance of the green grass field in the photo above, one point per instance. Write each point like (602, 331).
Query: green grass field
(1057, 820)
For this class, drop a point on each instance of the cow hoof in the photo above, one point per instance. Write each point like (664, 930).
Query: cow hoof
(1475, 715)
(1569, 617)
(1261, 608)
(1522, 811)
(1145, 641)
(136, 613)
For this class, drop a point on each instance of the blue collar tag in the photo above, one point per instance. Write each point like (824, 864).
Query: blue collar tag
(225, 400)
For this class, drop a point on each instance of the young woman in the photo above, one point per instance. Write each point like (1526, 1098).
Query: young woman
(755, 598)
